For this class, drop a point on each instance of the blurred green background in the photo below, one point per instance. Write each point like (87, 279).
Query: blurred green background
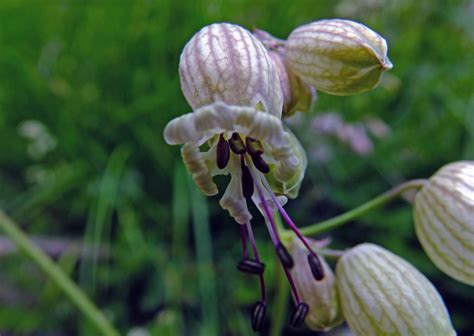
(86, 88)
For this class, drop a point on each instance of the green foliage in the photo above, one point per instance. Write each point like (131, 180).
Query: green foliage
(101, 80)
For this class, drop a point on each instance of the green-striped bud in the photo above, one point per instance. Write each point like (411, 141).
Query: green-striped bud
(339, 57)
(382, 294)
(444, 220)
(321, 296)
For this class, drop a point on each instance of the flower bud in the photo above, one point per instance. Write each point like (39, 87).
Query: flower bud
(297, 95)
(321, 296)
(339, 57)
(382, 294)
(444, 220)
(225, 63)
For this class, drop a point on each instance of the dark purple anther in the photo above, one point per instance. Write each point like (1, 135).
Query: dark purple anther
(260, 163)
(237, 144)
(247, 180)
(251, 266)
(299, 314)
(258, 315)
(316, 266)
(285, 256)
(254, 147)
(223, 153)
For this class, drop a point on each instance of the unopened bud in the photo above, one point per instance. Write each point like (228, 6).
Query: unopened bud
(339, 57)
(444, 220)
(321, 296)
(382, 294)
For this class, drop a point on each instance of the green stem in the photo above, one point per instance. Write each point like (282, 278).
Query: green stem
(360, 210)
(58, 277)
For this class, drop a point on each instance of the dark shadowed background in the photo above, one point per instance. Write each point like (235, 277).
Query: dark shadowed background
(86, 88)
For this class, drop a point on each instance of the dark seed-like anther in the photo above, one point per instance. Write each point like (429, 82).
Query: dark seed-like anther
(251, 266)
(254, 147)
(237, 144)
(299, 315)
(247, 180)
(258, 315)
(316, 266)
(223, 153)
(260, 163)
(285, 256)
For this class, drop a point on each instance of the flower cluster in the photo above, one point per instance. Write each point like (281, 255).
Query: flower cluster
(240, 85)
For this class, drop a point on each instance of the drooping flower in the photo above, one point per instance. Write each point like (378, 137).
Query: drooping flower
(444, 220)
(382, 294)
(235, 129)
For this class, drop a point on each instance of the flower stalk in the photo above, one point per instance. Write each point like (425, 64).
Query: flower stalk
(361, 210)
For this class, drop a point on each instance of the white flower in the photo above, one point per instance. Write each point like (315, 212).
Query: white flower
(235, 129)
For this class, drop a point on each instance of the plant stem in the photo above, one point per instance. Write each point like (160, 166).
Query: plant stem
(56, 275)
(360, 210)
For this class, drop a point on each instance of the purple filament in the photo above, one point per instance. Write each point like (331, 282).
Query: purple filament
(294, 291)
(272, 228)
(288, 220)
(244, 242)
(253, 245)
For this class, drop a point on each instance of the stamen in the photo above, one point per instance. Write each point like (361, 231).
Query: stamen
(285, 256)
(316, 266)
(243, 235)
(299, 315)
(251, 266)
(223, 153)
(247, 180)
(237, 144)
(254, 147)
(253, 245)
(247, 265)
(291, 281)
(260, 163)
(272, 229)
(258, 315)
(318, 274)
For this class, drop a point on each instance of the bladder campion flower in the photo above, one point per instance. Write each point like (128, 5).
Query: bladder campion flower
(235, 129)
(382, 294)
(444, 220)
